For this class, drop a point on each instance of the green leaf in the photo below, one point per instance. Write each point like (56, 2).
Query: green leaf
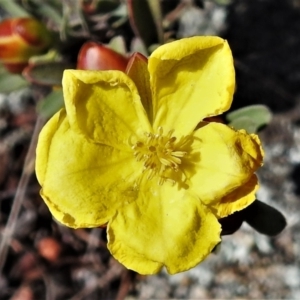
(13, 9)
(264, 218)
(46, 9)
(11, 82)
(49, 74)
(254, 116)
(223, 2)
(145, 19)
(244, 123)
(51, 104)
(117, 43)
(107, 6)
(155, 7)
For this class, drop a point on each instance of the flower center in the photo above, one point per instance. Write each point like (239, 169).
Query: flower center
(161, 155)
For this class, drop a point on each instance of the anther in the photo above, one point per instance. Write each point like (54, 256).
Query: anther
(176, 160)
(159, 155)
(172, 181)
(161, 180)
(172, 139)
(179, 153)
(165, 162)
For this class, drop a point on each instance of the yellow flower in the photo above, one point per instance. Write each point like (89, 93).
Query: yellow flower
(124, 152)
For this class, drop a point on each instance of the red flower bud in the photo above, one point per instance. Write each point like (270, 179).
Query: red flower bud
(21, 38)
(94, 56)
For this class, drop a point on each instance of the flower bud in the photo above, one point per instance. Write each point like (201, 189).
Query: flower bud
(21, 38)
(94, 56)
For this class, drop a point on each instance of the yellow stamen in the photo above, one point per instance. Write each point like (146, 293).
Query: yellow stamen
(160, 154)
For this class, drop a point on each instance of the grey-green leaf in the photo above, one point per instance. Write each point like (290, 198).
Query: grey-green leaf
(51, 104)
(254, 116)
(244, 123)
(49, 74)
(11, 82)
(145, 19)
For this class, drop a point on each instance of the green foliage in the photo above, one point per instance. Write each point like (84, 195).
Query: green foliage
(106, 6)
(251, 118)
(146, 20)
(13, 9)
(49, 74)
(51, 104)
(11, 82)
(118, 44)
(264, 218)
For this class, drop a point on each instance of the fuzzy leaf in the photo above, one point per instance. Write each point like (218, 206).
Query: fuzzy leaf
(49, 74)
(48, 10)
(117, 44)
(244, 123)
(14, 9)
(254, 117)
(145, 19)
(264, 218)
(11, 82)
(51, 104)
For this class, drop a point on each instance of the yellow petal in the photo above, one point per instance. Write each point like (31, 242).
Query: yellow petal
(191, 79)
(104, 106)
(164, 227)
(226, 160)
(83, 183)
(237, 199)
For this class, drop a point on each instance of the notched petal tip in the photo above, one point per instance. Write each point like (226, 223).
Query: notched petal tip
(196, 77)
(142, 235)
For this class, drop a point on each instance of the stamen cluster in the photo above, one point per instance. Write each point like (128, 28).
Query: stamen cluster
(159, 154)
